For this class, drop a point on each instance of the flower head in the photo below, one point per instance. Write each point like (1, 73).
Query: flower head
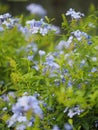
(41, 53)
(73, 14)
(36, 9)
(23, 105)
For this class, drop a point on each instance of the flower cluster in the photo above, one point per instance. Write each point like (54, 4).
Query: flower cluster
(57, 75)
(67, 126)
(50, 65)
(64, 44)
(32, 26)
(41, 27)
(73, 111)
(21, 109)
(73, 14)
(79, 35)
(6, 21)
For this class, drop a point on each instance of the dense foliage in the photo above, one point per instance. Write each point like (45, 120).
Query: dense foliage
(49, 75)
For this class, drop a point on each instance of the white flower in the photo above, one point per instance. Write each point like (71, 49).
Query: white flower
(4, 109)
(36, 9)
(1, 17)
(25, 93)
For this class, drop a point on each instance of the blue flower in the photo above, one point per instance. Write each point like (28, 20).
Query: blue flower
(21, 127)
(20, 110)
(55, 127)
(1, 28)
(41, 53)
(89, 42)
(94, 69)
(68, 127)
(73, 14)
(30, 58)
(36, 9)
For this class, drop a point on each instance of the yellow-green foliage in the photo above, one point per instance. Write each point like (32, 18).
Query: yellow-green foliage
(66, 80)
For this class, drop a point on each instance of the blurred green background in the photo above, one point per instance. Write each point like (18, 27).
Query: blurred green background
(54, 7)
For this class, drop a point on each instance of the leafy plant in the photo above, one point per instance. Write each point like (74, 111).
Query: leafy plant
(48, 75)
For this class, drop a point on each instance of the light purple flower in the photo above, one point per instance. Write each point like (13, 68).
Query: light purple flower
(73, 14)
(79, 34)
(1, 28)
(55, 127)
(94, 69)
(41, 53)
(74, 111)
(23, 105)
(41, 27)
(68, 127)
(21, 127)
(30, 58)
(36, 9)
(94, 59)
